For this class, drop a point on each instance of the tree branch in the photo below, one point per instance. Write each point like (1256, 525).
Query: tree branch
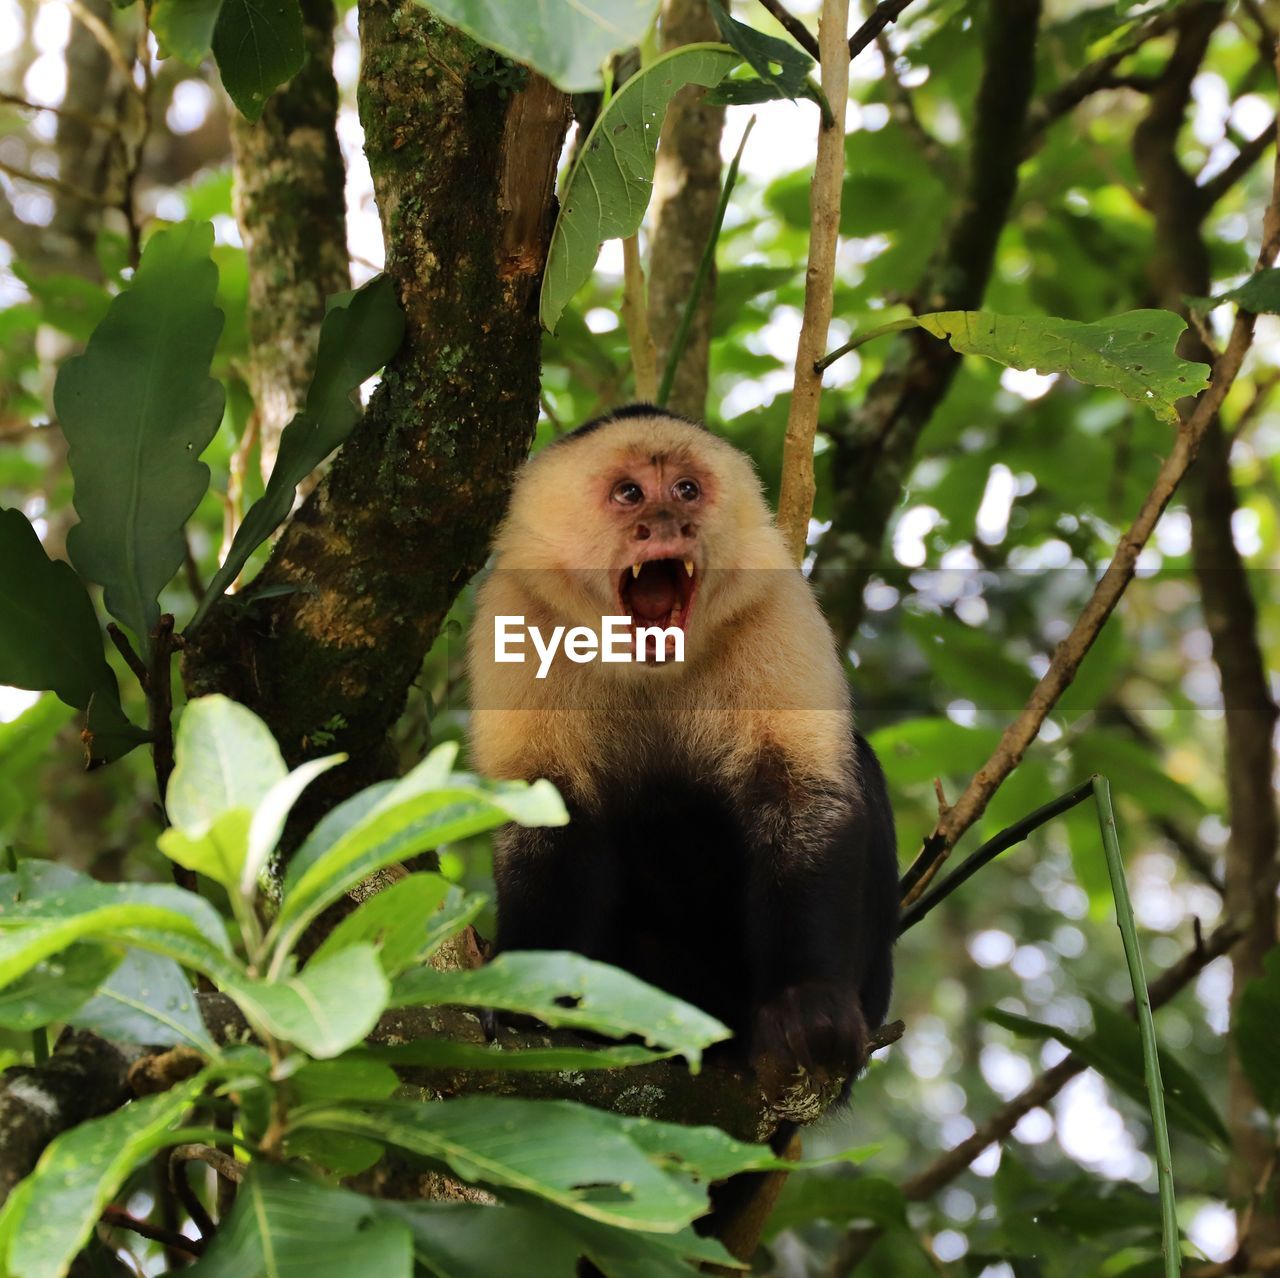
(793, 27)
(795, 501)
(885, 13)
(874, 447)
(333, 631)
(1214, 188)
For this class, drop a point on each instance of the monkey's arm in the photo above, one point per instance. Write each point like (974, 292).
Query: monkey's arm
(822, 908)
(556, 887)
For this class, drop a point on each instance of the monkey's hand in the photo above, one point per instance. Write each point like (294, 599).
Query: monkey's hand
(816, 1027)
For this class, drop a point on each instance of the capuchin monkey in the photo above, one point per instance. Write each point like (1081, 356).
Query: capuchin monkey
(730, 839)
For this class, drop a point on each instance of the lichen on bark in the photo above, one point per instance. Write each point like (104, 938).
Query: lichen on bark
(290, 206)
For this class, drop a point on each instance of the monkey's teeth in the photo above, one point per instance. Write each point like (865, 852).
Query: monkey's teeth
(635, 570)
(688, 567)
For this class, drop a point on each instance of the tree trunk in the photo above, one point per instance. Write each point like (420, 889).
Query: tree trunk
(686, 191)
(333, 631)
(289, 181)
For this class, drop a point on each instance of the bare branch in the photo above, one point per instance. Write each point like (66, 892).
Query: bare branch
(886, 12)
(54, 184)
(795, 501)
(635, 315)
(1214, 188)
(793, 27)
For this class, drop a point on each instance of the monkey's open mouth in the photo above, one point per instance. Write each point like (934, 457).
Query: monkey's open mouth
(659, 592)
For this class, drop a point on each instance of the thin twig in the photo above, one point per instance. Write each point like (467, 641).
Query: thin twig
(65, 113)
(886, 12)
(635, 314)
(981, 856)
(705, 265)
(102, 33)
(793, 27)
(1212, 190)
(118, 1218)
(795, 501)
(131, 658)
(68, 189)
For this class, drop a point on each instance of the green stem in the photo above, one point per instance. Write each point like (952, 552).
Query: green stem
(1169, 1241)
(704, 272)
(895, 326)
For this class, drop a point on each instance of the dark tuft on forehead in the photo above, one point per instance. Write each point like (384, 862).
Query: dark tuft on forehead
(624, 413)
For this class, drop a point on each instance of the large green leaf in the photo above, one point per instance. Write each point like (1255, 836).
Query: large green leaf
(285, 1225)
(1260, 293)
(411, 816)
(465, 1241)
(329, 1007)
(1256, 1020)
(49, 636)
(137, 409)
(258, 45)
(609, 187)
(1114, 1050)
(619, 1171)
(568, 41)
(79, 1174)
(396, 921)
(34, 930)
(361, 331)
(1131, 353)
(567, 989)
(55, 989)
(147, 999)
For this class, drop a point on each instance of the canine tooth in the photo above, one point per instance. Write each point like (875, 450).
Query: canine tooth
(635, 570)
(688, 567)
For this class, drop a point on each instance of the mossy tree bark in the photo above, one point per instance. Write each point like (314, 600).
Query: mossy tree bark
(290, 205)
(686, 190)
(327, 640)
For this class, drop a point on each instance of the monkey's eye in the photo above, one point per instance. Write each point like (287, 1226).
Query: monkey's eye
(686, 490)
(628, 493)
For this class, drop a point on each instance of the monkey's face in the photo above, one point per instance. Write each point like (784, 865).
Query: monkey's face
(651, 518)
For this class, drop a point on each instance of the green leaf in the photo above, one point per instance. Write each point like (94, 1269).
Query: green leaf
(33, 930)
(1254, 1031)
(401, 820)
(361, 331)
(54, 989)
(185, 27)
(225, 759)
(1260, 293)
(1115, 1051)
(466, 1241)
(618, 1171)
(329, 1007)
(285, 1225)
(356, 1076)
(49, 635)
(609, 187)
(258, 45)
(396, 921)
(601, 998)
(1131, 353)
(147, 999)
(808, 1196)
(762, 53)
(567, 41)
(137, 409)
(80, 1173)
